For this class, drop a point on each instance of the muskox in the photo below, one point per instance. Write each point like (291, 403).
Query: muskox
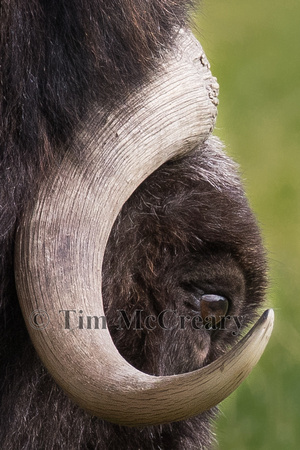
(130, 258)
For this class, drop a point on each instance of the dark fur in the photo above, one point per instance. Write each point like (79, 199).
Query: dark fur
(187, 226)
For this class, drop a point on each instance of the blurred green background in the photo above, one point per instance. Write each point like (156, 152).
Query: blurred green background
(254, 51)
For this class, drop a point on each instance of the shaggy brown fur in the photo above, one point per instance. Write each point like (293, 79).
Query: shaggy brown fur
(188, 228)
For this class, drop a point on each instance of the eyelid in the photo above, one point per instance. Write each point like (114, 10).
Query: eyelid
(191, 287)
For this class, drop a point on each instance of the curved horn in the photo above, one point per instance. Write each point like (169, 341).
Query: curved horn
(61, 242)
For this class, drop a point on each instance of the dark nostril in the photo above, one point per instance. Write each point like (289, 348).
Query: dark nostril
(212, 305)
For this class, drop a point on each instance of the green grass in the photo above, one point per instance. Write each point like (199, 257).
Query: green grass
(254, 50)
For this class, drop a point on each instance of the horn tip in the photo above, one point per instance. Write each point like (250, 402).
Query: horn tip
(268, 316)
(266, 323)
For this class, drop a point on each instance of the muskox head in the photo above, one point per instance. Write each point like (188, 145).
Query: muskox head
(62, 239)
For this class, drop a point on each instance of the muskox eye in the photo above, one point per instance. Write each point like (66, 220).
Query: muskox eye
(208, 305)
(212, 305)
